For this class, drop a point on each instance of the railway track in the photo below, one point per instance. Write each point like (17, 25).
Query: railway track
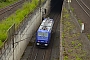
(7, 11)
(45, 54)
(82, 11)
(53, 48)
(84, 7)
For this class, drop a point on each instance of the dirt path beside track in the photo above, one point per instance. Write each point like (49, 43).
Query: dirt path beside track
(75, 44)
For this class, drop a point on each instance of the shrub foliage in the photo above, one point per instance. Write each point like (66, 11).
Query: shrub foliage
(16, 18)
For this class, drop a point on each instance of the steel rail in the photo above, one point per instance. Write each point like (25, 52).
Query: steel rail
(44, 55)
(8, 10)
(83, 8)
(34, 53)
(55, 29)
(85, 5)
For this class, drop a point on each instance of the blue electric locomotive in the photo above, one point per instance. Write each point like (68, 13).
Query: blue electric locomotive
(43, 34)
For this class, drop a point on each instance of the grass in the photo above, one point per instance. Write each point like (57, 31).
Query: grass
(71, 44)
(16, 18)
(80, 22)
(88, 36)
(66, 58)
(72, 9)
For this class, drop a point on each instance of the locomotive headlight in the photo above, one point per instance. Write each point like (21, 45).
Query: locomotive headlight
(37, 43)
(46, 44)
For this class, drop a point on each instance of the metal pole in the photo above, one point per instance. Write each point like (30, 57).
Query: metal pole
(69, 1)
(40, 5)
(13, 28)
(13, 49)
(69, 6)
(40, 10)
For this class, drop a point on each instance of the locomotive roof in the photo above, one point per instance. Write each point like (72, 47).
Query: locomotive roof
(46, 24)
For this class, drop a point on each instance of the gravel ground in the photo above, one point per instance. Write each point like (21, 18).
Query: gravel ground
(75, 44)
(80, 14)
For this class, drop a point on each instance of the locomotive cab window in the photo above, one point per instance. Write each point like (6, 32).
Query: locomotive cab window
(45, 34)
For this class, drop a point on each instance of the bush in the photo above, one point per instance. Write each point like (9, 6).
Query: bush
(16, 18)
